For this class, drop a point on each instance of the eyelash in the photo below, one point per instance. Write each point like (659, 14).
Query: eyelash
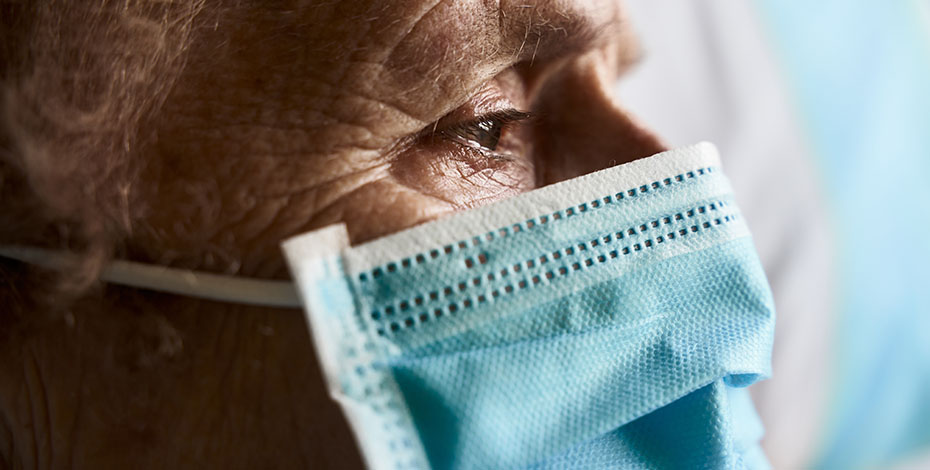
(491, 126)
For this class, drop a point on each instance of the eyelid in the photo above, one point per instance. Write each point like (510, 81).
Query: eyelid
(464, 133)
(507, 115)
(503, 116)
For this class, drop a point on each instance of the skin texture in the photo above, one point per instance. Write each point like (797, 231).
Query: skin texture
(290, 116)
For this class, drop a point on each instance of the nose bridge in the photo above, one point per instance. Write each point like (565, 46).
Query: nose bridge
(583, 129)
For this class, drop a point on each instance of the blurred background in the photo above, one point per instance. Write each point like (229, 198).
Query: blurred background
(821, 112)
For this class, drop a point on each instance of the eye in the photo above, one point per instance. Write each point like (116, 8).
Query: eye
(469, 158)
(485, 132)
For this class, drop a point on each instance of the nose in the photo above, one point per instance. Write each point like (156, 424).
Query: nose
(583, 129)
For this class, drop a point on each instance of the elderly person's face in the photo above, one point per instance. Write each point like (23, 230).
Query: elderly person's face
(289, 116)
(381, 115)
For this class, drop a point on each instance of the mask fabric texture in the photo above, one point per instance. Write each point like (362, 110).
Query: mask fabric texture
(609, 321)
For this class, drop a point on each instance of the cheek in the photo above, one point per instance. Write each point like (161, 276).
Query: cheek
(462, 179)
(234, 224)
(419, 185)
(379, 208)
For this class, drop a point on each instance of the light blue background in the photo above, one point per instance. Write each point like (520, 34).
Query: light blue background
(861, 73)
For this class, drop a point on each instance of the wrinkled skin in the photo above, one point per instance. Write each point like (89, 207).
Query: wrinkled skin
(289, 117)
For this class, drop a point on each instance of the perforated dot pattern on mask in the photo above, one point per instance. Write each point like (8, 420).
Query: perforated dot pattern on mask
(576, 257)
(531, 224)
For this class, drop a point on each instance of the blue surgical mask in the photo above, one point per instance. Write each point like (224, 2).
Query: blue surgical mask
(612, 320)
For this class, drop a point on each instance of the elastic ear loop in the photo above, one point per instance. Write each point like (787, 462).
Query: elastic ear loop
(171, 280)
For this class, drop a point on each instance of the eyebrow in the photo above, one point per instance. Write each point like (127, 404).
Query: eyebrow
(544, 34)
(457, 46)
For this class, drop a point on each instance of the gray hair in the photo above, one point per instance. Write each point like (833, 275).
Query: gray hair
(78, 81)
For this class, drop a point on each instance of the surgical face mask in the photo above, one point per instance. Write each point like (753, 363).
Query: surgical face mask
(606, 321)
(612, 320)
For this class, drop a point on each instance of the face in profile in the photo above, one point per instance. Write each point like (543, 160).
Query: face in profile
(384, 117)
(278, 118)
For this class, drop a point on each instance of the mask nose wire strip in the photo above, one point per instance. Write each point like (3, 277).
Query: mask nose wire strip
(171, 280)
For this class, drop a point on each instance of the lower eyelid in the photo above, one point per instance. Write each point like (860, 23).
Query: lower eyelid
(452, 171)
(475, 157)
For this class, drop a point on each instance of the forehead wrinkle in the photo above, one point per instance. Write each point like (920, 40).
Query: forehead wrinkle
(456, 46)
(447, 53)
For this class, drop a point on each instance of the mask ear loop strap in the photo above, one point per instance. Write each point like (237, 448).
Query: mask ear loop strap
(171, 280)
